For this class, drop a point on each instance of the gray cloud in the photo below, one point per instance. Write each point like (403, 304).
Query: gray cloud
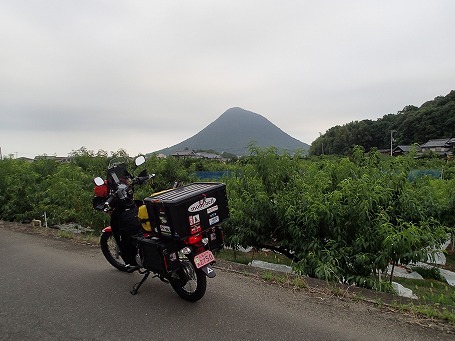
(84, 73)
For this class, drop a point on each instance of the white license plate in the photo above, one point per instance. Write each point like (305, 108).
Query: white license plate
(203, 259)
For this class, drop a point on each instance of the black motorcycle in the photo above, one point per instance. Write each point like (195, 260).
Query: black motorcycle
(171, 234)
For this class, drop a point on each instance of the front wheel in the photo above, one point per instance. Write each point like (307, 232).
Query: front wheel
(191, 282)
(111, 251)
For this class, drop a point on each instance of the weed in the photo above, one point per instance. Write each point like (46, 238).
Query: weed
(428, 311)
(65, 234)
(450, 260)
(247, 257)
(429, 273)
(282, 279)
(431, 292)
(383, 286)
(233, 256)
(337, 291)
(299, 283)
(267, 276)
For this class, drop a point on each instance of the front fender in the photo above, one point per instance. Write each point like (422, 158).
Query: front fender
(107, 229)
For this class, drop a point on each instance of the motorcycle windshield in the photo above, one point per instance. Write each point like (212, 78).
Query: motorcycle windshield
(117, 172)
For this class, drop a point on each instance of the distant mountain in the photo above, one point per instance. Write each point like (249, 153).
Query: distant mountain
(234, 130)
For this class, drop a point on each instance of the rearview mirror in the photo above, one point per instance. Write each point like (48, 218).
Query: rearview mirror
(139, 160)
(98, 181)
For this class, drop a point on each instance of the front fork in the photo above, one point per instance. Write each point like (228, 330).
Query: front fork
(108, 229)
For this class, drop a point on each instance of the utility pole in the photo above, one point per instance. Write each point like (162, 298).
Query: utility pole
(391, 141)
(1, 157)
(322, 144)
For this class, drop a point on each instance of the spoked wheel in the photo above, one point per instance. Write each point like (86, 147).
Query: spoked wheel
(111, 251)
(191, 282)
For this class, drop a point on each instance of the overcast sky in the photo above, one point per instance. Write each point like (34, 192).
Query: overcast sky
(144, 75)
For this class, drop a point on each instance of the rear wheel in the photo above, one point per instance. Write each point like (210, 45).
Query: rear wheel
(191, 282)
(111, 251)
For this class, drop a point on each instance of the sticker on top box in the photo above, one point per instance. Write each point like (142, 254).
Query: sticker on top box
(194, 219)
(165, 229)
(202, 204)
(214, 220)
(195, 229)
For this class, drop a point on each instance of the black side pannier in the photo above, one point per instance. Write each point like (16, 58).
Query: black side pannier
(158, 255)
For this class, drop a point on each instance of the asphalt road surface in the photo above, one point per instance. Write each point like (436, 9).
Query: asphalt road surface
(54, 289)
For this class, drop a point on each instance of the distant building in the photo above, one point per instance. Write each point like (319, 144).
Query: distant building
(384, 151)
(186, 154)
(440, 147)
(401, 150)
(22, 158)
(53, 157)
(210, 156)
(191, 154)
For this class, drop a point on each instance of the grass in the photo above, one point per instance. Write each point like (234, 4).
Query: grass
(247, 257)
(83, 238)
(431, 291)
(450, 259)
(284, 279)
(268, 276)
(65, 234)
(429, 273)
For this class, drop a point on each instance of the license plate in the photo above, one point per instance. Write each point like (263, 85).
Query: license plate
(203, 259)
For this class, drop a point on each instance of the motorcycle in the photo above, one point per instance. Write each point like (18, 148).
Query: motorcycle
(172, 234)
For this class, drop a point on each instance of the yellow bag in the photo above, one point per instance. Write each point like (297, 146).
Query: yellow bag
(144, 218)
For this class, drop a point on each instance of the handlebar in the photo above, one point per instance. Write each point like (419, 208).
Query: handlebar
(108, 202)
(122, 191)
(141, 179)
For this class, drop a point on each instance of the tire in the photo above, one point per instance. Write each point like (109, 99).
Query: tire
(194, 288)
(111, 251)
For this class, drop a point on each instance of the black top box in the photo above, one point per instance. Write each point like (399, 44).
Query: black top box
(185, 211)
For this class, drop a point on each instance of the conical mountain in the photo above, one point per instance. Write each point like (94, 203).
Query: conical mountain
(234, 130)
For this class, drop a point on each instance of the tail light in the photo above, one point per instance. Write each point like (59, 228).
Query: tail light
(194, 239)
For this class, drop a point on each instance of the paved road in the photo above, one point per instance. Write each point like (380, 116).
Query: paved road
(57, 290)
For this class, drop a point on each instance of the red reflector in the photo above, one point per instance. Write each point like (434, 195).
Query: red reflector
(194, 239)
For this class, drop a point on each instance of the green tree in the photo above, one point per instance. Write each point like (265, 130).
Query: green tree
(341, 219)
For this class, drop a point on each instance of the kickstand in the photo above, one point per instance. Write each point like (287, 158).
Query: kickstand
(138, 285)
